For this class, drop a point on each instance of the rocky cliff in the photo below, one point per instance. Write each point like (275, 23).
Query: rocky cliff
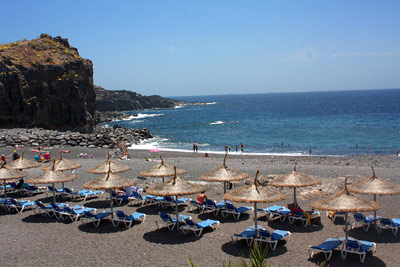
(122, 100)
(45, 83)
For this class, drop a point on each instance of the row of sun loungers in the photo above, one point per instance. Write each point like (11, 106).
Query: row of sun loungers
(354, 246)
(17, 205)
(250, 235)
(24, 190)
(186, 224)
(64, 212)
(68, 193)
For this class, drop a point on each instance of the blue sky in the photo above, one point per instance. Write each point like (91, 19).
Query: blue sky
(176, 48)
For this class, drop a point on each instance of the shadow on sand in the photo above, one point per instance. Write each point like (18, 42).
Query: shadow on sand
(37, 218)
(351, 260)
(155, 210)
(105, 227)
(164, 236)
(296, 227)
(240, 249)
(385, 236)
(229, 219)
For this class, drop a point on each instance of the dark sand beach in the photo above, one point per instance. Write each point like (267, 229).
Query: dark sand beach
(34, 240)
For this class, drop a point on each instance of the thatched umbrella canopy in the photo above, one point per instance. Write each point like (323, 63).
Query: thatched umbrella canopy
(162, 170)
(295, 179)
(255, 193)
(224, 174)
(63, 165)
(108, 182)
(175, 187)
(344, 201)
(106, 165)
(9, 174)
(23, 163)
(374, 185)
(51, 177)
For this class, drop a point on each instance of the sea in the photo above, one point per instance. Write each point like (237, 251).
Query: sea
(331, 123)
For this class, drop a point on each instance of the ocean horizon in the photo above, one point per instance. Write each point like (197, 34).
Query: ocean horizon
(333, 123)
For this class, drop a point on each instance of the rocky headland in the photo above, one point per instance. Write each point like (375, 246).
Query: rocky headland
(47, 97)
(46, 83)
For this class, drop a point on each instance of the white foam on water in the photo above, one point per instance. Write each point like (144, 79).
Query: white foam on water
(211, 103)
(217, 123)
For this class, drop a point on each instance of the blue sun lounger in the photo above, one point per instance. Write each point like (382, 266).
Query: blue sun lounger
(194, 204)
(73, 213)
(364, 221)
(95, 218)
(168, 201)
(247, 235)
(272, 238)
(275, 212)
(144, 199)
(42, 209)
(213, 206)
(386, 223)
(19, 205)
(236, 212)
(198, 228)
(359, 247)
(327, 247)
(82, 194)
(127, 219)
(170, 222)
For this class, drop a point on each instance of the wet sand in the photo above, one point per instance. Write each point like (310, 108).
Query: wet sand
(34, 240)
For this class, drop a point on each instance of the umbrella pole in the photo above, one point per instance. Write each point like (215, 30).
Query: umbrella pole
(255, 218)
(294, 196)
(346, 231)
(111, 204)
(225, 192)
(54, 194)
(177, 210)
(375, 210)
(5, 191)
(163, 179)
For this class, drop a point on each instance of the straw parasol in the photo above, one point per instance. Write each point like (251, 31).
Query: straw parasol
(224, 174)
(9, 174)
(51, 177)
(108, 182)
(375, 186)
(63, 165)
(106, 165)
(175, 187)
(162, 170)
(23, 163)
(255, 193)
(295, 179)
(344, 201)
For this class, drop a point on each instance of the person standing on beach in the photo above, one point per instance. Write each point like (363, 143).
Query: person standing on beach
(3, 159)
(194, 147)
(229, 148)
(309, 151)
(397, 152)
(226, 148)
(197, 148)
(236, 148)
(241, 147)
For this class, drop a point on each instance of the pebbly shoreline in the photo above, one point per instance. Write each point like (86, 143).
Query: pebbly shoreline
(104, 137)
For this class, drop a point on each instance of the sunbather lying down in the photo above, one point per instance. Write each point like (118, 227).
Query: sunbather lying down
(85, 155)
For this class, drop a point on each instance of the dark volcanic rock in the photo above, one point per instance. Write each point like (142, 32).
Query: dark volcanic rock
(45, 83)
(122, 100)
